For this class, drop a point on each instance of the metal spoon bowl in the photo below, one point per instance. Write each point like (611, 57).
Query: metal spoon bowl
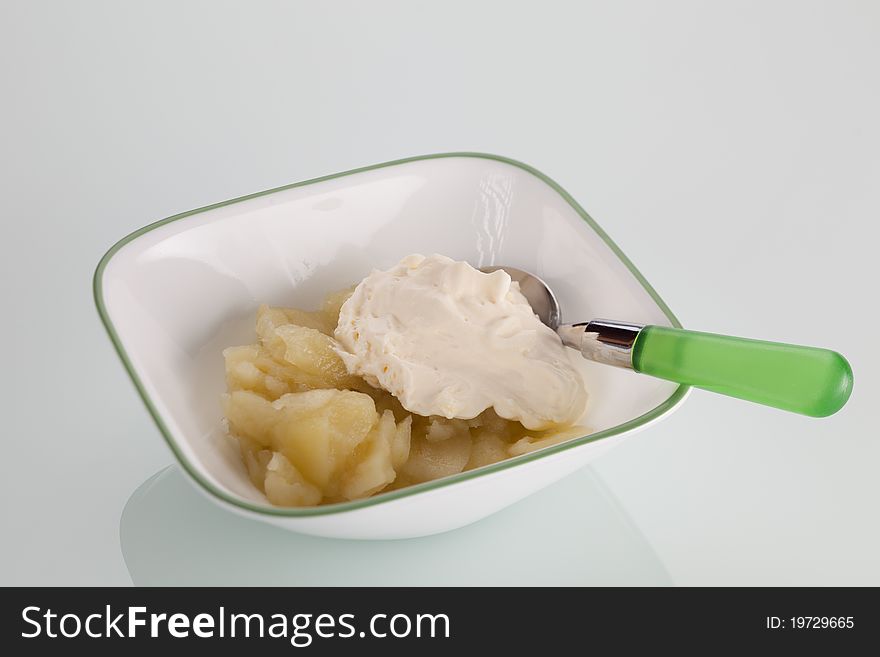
(537, 292)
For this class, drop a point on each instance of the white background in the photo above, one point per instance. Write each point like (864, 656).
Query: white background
(731, 149)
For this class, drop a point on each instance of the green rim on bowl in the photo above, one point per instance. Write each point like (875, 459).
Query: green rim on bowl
(193, 472)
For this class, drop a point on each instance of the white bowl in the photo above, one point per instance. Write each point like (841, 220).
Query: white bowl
(172, 295)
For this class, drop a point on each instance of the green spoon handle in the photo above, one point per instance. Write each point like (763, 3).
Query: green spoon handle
(808, 380)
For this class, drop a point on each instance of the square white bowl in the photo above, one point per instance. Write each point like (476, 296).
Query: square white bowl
(174, 294)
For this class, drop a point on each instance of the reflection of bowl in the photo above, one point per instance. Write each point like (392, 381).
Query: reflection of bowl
(172, 536)
(173, 294)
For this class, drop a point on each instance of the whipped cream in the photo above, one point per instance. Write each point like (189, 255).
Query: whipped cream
(447, 339)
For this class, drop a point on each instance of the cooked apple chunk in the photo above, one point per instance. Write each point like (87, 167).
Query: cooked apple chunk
(431, 460)
(271, 317)
(544, 439)
(312, 352)
(285, 486)
(332, 304)
(253, 368)
(373, 469)
(333, 440)
(400, 443)
(487, 448)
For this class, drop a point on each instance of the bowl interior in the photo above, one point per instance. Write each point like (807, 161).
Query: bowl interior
(174, 295)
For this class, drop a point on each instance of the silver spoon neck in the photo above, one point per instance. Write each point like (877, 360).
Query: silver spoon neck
(602, 340)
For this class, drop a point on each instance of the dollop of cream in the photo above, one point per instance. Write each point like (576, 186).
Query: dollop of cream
(447, 339)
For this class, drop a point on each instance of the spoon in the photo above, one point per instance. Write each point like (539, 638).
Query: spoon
(807, 380)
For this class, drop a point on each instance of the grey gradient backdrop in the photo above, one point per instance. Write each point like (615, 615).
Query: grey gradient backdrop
(731, 149)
